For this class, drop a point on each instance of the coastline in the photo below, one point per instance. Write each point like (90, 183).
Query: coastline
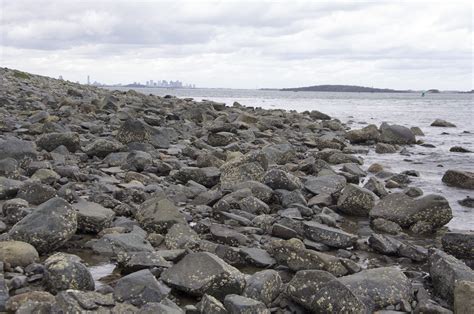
(189, 184)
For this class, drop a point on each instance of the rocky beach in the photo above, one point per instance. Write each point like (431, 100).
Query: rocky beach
(122, 202)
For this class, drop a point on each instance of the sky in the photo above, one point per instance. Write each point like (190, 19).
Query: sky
(244, 44)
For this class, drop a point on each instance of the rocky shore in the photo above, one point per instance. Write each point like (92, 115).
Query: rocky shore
(207, 208)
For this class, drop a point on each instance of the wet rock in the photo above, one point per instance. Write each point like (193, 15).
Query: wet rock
(329, 184)
(320, 292)
(384, 244)
(376, 186)
(35, 192)
(380, 287)
(328, 235)
(459, 149)
(318, 115)
(257, 257)
(413, 192)
(102, 147)
(366, 134)
(18, 253)
(208, 176)
(114, 244)
(158, 214)
(279, 179)
(442, 123)
(433, 210)
(460, 179)
(204, 273)
(236, 304)
(134, 261)
(65, 271)
(50, 141)
(387, 226)
(209, 304)
(250, 167)
(375, 168)
(9, 187)
(279, 154)
(263, 286)
(224, 235)
(460, 244)
(446, 271)
(139, 288)
(14, 210)
(48, 227)
(467, 202)
(17, 149)
(293, 254)
(356, 201)
(417, 131)
(92, 217)
(396, 134)
(382, 148)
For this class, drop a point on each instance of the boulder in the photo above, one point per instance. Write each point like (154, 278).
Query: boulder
(101, 147)
(9, 187)
(134, 261)
(116, 244)
(257, 257)
(463, 300)
(209, 304)
(356, 201)
(330, 184)
(208, 176)
(48, 227)
(236, 304)
(376, 186)
(366, 134)
(460, 179)
(446, 271)
(387, 226)
(134, 130)
(158, 214)
(138, 161)
(92, 217)
(383, 148)
(181, 236)
(220, 138)
(17, 149)
(17, 253)
(380, 287)
(264, 286)
(396, 134)
(204, 273)
(432, 210)
(279, 154)
(442, 123)
(35, 192)
(318, 115)
(65, 271)
(459, 243)
(250, 167)
(258, 189)
(253, 205)
(140, 288)
(76, 301)
(320, 292)
(279, 179)
(50, 141)
(328, 235)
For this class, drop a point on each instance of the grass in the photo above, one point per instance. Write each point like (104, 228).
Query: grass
(20, 75)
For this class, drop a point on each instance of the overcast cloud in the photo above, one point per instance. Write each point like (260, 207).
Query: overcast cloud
(244, 44)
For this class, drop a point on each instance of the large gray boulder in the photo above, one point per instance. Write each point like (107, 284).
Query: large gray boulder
(208, 176)
(115, 244)
(237, 304)
(17, 149)
(320, 292)
(446, 271)
(140, 288)
(328, 235)
(48, 227)
(460, 179)
(459, 244)
(158, 214)
(442, 123)
(92, 217)
(17, 253)
(101, 147)
(380, 287)
(250, 167)
(9, 187)
(433, 211)
(35, 192)
(356, 201)
(264, 286)
(366, 134)
(204, 273)
(396, 134)
(66, 271)
(133, 130)
(50, 141)
(329, 184)
(279, 179)
(279, 154)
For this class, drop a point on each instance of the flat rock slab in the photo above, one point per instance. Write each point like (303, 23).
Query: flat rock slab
(328, 235)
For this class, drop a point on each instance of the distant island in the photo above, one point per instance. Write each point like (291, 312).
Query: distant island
(343, 88)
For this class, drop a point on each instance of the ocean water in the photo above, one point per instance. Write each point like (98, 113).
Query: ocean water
(360, 109)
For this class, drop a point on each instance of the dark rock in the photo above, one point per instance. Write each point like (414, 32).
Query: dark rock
(133, 130)
(209, 304)
(330, 184)
(257, 257)
(328, 235)
(279, 154)
(250, 167)
(102, 147)
(36, 193)
(50, 141)
(318, 115)
(366, 134)
(65, 271)
(181, 236)
(158, 214)
(225, 235)
(396, 134)
(17, 149)
(204, 273)
(460, 179)
(467, 202)
(356, 201)
(264, 286)
(387, 226)
(135, 261)
(140, 288)
(236, 304)
(384, 244)
(114, 244)
(208, 176)
(446, 271)
(48, 227)
(279, 179)
(376, 186)
(460, 244)
(221, 138)
(92, 217)
(9, 187)
(382, 148)
(442, 123)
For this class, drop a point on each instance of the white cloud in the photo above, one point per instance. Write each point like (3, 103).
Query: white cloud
(414, 44)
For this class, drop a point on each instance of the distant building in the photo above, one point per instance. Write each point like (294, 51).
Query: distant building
(88, 80)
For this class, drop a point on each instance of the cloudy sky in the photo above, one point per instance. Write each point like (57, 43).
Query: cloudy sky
(244, 44)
